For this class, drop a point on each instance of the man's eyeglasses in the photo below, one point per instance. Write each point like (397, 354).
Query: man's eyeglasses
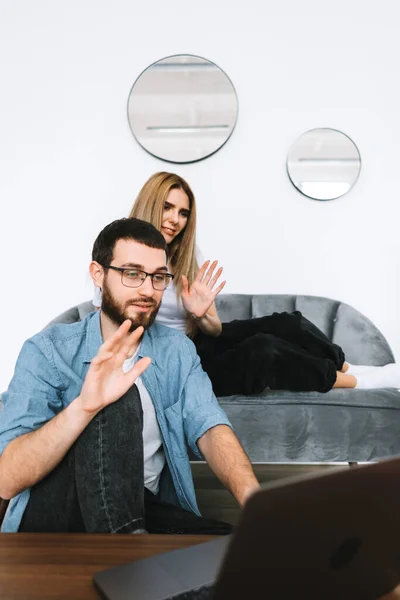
(134, 278)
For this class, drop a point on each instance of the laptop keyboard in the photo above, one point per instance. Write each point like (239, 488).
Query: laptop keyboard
(205, 592)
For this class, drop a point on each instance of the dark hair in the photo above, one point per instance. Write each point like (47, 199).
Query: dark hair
(123, 229)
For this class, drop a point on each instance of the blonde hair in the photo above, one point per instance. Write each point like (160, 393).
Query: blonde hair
(149, 206)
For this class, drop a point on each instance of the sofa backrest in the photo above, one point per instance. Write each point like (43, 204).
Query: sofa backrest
(361, 341)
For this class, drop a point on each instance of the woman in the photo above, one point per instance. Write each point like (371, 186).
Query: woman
(279, 351)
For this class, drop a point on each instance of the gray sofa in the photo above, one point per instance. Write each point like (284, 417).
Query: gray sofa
(280, 426)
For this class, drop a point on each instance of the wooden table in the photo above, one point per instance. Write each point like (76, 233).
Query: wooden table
(56, 565)
(60, 565)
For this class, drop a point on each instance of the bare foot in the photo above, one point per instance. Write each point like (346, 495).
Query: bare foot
(344, 381)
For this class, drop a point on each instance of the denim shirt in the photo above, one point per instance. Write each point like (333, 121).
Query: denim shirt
(49, 374)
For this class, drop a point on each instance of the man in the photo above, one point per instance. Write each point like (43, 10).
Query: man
(80, 449)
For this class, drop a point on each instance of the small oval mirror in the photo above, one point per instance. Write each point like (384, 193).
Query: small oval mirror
(182, 108)
(323, 164)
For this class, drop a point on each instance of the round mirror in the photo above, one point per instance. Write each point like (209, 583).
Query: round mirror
(182, 108)
(323, 164)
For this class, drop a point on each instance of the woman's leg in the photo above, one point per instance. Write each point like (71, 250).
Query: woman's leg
(291, 327)
(98, 487)
(294, 327)
(265, 361)
(344, 381)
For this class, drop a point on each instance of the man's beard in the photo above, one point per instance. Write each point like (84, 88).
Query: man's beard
(118, 312)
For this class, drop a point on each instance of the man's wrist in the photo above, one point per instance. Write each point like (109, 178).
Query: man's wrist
(248, 491)
(80, 412)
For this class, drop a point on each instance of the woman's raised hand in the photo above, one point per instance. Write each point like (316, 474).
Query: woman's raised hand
(198, 299)
(105, 381)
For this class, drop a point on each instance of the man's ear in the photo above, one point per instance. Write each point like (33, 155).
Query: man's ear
(97, 273)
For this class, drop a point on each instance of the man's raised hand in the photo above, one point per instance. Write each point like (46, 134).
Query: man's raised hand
(105, 381)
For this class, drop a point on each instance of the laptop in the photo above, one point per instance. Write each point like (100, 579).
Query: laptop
(334, 536)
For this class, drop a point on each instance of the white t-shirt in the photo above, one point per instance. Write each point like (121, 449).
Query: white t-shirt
(153, 451)
(171, 313)
(96, 297)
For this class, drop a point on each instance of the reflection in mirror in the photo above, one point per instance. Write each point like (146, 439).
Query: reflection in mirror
(182, 108)
(323, 164)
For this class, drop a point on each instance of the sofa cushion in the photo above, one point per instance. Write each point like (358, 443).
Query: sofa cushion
(342, 425)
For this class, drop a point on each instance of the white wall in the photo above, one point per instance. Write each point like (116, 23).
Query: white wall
(69, 163)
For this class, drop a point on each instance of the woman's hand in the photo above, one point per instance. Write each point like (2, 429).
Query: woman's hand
(198, 299)
(105, 382)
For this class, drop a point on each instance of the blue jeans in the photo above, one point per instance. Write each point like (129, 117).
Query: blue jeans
(98, 487)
